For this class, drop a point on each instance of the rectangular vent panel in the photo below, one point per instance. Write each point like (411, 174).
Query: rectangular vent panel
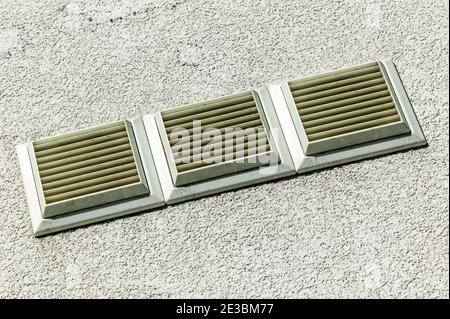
(88, 168)
(196, 155)
(346, 107)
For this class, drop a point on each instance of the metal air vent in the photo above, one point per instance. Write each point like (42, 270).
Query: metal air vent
(77, 175)
(220, 144)
(346, 115)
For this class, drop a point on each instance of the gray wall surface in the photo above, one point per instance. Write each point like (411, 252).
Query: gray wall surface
(377, 228)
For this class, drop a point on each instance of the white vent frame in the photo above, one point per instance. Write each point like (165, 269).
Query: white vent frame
(291, 125)
(175, 194)
(98, 198)
(217, 169)
(348, 139)
(46, 225)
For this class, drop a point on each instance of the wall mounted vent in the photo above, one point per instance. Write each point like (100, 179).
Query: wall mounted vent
(215, 138)
(87, 168)
(346, 115)
(216, 145)
(346, 107)
(75, 177)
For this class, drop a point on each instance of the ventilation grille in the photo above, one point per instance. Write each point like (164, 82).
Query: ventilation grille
(85, 163)
(239, 113)
(344, 101)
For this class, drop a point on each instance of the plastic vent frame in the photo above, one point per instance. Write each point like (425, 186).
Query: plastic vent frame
(90, 175)
(240, 111)
(374, 102)
(226, 175)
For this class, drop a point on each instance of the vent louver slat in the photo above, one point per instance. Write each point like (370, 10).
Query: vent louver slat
(85, 164)
(344, 102)
(237, 112)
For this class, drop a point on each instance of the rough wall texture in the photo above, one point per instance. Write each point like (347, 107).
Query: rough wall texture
(377, 228)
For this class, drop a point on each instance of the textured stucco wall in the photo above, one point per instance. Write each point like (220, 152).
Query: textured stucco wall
(377, 228)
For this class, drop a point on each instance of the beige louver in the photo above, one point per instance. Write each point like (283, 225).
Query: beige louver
(346, 107)
(88, 168)
(215, 138)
